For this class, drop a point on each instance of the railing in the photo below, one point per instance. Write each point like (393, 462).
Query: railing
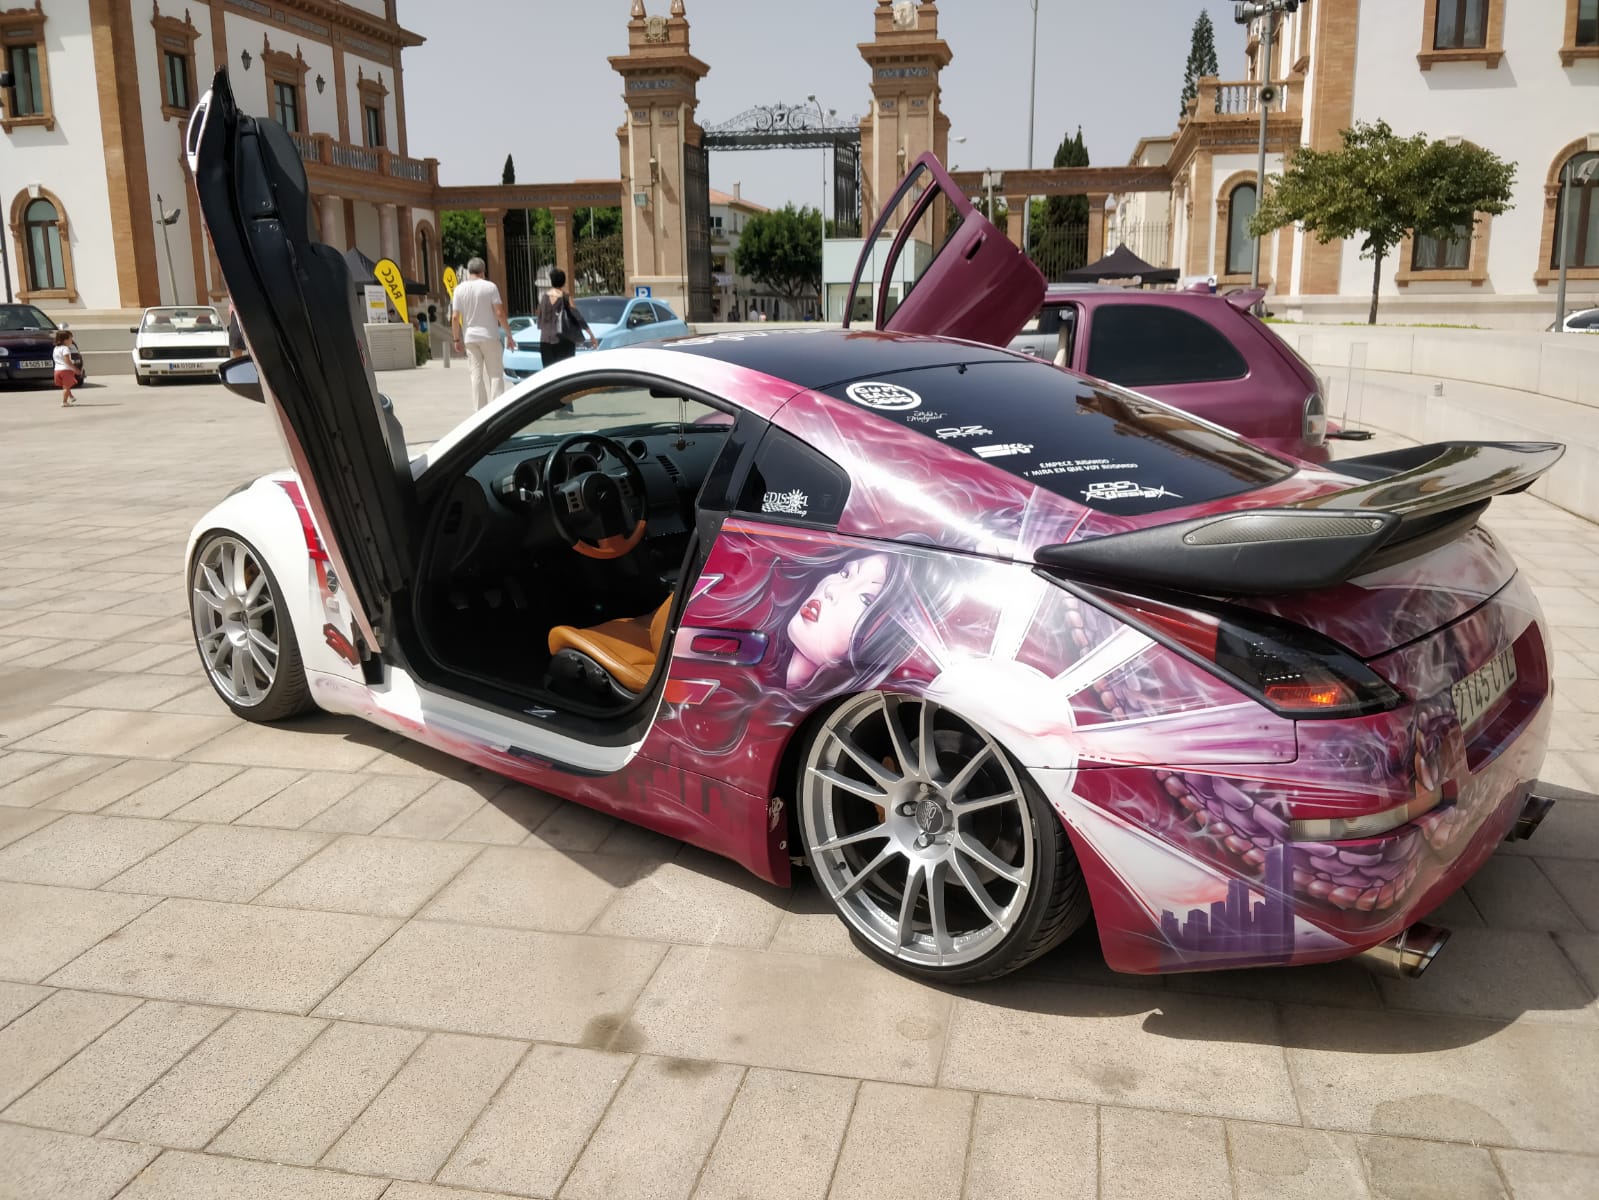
(1150, 240)
(1219, 100)
(414, 169)
(358, 157)
(306, 144)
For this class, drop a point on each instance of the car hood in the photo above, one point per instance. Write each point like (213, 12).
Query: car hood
(218, 337)
(27, 338)
(532, 343)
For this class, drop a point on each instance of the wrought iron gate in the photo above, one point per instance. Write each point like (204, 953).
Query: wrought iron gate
(697, 236)
(528, 258)
(846, 188)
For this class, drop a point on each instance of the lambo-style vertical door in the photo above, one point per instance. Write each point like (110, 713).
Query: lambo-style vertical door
(296, 303)
(946, 270)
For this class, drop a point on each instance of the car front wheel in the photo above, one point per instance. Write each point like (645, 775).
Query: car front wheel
(938, 852)
(242, 631)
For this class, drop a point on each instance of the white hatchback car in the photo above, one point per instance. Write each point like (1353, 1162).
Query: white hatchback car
(189, 340)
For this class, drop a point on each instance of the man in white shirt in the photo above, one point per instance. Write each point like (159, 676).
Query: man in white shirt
(477, 316)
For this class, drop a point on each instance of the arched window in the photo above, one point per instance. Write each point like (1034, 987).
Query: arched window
(1577, 212)
(425, 258)
(42, 237)
(1240, 245)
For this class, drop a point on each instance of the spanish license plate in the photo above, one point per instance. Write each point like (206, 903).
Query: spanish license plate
(37, 363)
(1477, 693)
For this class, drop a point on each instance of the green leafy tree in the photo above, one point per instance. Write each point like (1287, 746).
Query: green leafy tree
(1384, 187)
(461, 236)
(1201, 60)
(596, 222)
(782, 250)
(519, 221)
(1057, 236)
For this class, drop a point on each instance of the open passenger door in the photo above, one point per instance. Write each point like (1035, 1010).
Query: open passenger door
(296, 304)
(948, 270)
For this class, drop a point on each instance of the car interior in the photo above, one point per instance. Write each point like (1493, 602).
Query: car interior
(549, 565)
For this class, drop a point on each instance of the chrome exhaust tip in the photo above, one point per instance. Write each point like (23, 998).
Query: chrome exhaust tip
(1531, 816)
(1408, 953)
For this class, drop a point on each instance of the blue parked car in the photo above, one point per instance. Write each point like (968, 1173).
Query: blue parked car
(615, 320)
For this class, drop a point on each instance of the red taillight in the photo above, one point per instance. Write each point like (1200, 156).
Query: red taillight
(1292, 670)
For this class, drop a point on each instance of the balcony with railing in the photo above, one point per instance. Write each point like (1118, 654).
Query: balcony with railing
(1231, 100)
(324, 150)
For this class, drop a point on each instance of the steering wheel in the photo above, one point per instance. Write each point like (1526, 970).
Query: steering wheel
(599, 513)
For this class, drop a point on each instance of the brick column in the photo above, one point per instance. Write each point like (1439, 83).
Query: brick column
(1015, 215)
(388, 231)
(564, 257)
(1096, 226)
(332, 214)
(494, 232)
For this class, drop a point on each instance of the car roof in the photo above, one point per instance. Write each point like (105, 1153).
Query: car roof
(819, 357)
(1092, 294)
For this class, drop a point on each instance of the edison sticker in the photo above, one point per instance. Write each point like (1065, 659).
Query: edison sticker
(886, 397)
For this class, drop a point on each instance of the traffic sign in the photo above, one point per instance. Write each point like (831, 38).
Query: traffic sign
(641, 291)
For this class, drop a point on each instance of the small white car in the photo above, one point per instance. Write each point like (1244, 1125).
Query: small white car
(185, 341)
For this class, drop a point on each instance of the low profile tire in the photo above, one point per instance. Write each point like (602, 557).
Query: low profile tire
(142, 380)
(938, 852)
(242, 631)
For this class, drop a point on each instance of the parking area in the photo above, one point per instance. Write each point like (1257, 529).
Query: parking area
(315, 960)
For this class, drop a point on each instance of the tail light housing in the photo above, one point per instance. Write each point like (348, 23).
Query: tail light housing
(1294, 671)
(1313, 424)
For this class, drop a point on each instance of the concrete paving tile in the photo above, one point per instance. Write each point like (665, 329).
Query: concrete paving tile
(47, 927)
(313, 743)
(201, 701)
(1496, 973)
(44, 1165)
(791, 1012)
(103, 1078)
(656, 1133)
(1578, 885)
(561, 1091)
(1571, 830)
(1549, 1176)
(385, 877)
(17, 764)
(247, 956)
(781, 1138)
(1455, 913)
(436, 813)
(634, 841)
(22, 720)
(369, 805)
(1344, 984)
(53, 778)
(1405, 1169)
(111, 785)
(85, 851)
(49, 656)
(220, 862)
(301, 801)
(21, 647)
(1144, 1154)
(127, 734)
(873, 1162)
(309, 1106)
(1582, 951)
(697, 898)
(17, 823)
(403, 1190)
(410, 1128)
(500, 982)
(533, 889)
(1032, 1150)
(1168, 1050)
(1275, 1162)
(172, 792)
(572, 827)
(507, 817)
(1527, 1085)
(196, 1099)
(50, 1033)
(236, 795)
(1512, 893)
(811, 926)
(18, 998)
(180, 1175)
(129, 691)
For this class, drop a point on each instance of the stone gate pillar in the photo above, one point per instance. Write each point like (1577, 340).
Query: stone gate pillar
(905, 121)
(660, 80)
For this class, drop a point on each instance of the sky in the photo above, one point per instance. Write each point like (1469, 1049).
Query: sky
(530, 78)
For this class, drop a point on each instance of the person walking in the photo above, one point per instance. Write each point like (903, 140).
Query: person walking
(478, 316)
(66, 372)
(560, 322)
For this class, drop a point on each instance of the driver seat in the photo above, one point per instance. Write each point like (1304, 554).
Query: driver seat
(625, 650)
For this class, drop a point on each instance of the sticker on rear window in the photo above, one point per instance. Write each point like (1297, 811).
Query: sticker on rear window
(1126, 489)
(886, 397)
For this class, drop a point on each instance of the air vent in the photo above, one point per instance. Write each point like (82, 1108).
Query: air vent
(671, 468)
(452, 520)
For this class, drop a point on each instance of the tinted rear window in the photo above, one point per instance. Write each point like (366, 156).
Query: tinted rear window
(1098, 446)
(1146, 345)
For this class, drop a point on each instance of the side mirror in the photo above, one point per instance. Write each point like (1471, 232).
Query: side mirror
(241, 378)
(133, 329)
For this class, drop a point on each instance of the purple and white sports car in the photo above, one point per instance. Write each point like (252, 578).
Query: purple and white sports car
(993, 648)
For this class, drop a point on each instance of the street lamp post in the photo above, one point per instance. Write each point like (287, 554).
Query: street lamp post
(1032, 110)
(1243, 14)
(821, 287)
(5, 263)
(166, 220)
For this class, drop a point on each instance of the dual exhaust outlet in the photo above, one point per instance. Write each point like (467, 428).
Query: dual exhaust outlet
(1411, 951)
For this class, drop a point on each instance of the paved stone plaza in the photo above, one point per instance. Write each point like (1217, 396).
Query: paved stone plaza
(316, 961)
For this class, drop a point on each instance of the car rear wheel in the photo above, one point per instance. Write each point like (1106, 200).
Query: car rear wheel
(938, 852)
(242, 631)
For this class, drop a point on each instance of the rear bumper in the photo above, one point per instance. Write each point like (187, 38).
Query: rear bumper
(190, 367)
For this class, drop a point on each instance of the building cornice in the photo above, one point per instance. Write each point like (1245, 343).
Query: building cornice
(332, 14)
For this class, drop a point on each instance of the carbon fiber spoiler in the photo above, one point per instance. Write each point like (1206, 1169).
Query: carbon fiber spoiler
(1411, 501)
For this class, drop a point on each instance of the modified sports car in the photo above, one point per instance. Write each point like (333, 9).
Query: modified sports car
(991, 647)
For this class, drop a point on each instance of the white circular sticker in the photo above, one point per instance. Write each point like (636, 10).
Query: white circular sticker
(889, 397)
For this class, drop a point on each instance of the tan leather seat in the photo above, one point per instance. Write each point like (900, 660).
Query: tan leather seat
(627, 649)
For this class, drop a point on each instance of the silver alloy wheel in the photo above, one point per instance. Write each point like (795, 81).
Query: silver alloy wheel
(918, 829)
(235, 620)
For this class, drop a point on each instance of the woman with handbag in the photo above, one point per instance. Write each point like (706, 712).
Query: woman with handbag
(561, 326)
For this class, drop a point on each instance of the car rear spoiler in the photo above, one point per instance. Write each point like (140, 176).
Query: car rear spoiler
(1411, 501)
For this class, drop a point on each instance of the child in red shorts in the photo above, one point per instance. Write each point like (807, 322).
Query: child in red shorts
(66, 373)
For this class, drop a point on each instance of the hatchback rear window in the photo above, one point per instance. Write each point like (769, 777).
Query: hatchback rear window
(1146, 345)
(1094, 445)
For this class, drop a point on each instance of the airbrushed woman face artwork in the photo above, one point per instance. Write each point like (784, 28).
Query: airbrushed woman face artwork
(821, 633)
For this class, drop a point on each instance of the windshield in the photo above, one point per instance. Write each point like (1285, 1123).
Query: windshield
(601, 310)
(520, 323)
(617, 412)
(200, 319)
(15, 318)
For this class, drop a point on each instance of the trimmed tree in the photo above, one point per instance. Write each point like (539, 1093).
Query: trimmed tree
(782, 250)
(461, 236)
(1202, 60)
(1060, 223)
(1385, 187)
